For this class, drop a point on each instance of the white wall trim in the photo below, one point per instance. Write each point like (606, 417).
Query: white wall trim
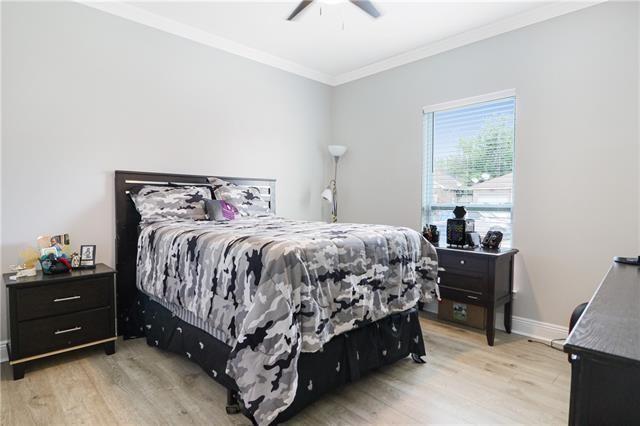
(496, 28)
(189, 32)
(4, 353)
(493, 96)
(141, 16)
(538, 330)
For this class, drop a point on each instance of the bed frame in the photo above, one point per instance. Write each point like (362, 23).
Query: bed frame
(386, 341)
(128, 220)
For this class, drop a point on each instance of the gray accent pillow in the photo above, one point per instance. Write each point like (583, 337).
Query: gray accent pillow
(246, 199)
(166, 202)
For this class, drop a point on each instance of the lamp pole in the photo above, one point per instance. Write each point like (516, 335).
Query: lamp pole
(331, 192)
(334, 209)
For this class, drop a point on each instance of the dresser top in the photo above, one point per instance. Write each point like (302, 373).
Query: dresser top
(610, 325)
(40, 278)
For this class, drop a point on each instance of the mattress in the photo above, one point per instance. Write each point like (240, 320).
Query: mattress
(271, 288)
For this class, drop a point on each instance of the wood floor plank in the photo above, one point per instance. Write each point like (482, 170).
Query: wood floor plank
(464, 382)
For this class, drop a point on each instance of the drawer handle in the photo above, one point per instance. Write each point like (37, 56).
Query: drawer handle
(472, 297)
(462, 262)
(64, 299)
(68, 330)
(441, 269)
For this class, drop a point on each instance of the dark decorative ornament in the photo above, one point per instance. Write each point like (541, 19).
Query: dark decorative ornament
(492, 240)
(459, 212)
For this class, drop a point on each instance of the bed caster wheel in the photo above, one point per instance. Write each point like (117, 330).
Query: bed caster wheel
(233, 405)
(418, 359)
(233, 409)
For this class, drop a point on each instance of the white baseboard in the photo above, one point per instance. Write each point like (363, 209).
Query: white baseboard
(538, 330)
(4, 354)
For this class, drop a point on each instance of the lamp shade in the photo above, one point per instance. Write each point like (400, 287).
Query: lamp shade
(327, 195)
(337, 150)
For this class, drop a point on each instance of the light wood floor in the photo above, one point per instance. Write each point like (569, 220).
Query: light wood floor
(464, 381)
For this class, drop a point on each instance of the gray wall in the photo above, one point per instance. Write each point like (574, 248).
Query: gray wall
(576, 175)
(86, 93)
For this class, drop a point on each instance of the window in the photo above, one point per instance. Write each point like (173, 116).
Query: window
(469, 162)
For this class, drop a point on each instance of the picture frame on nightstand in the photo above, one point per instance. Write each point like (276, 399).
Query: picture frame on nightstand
(87, 257)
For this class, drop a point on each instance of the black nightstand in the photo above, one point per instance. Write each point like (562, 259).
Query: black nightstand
(51, 314)
(479, 277)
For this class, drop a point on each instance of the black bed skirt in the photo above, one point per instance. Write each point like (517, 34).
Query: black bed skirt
(342, 360)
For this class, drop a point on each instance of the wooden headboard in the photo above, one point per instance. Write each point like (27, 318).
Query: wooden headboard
(128, 220)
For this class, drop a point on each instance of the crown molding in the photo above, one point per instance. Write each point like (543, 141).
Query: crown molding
(521, 20)
(144, 17)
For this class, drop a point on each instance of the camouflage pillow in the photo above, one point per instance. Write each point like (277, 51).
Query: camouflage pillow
(246, 199)
(169, 202)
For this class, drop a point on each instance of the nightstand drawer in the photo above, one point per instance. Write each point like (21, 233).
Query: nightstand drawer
(64, 331)
(61, 298)
(464, 280)
(462, 295)
(463, 261)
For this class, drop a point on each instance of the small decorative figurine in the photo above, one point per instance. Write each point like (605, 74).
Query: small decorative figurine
(431, 233)
(75, 260)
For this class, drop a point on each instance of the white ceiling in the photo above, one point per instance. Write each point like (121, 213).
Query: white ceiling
(334, 41)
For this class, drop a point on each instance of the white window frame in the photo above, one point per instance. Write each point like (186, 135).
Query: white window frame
(427, 158)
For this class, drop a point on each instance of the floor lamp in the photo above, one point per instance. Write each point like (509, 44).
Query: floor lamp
(330, 194)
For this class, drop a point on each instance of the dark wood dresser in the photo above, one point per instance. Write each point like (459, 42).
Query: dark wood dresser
(604, 348)
(479, 277)
(51, 314)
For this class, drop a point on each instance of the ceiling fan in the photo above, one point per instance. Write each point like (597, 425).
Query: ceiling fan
(365, 5)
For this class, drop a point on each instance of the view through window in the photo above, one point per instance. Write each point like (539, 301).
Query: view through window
(469, 162)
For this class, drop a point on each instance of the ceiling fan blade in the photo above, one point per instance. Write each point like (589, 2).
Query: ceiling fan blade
(367, 7)
(299, 8)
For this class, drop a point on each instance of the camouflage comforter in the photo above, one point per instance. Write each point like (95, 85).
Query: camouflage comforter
(274, 287)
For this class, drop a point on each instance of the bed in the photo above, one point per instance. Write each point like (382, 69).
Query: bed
(278, 311)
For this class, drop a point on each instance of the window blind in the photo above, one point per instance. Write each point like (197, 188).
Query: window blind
(469, 161)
